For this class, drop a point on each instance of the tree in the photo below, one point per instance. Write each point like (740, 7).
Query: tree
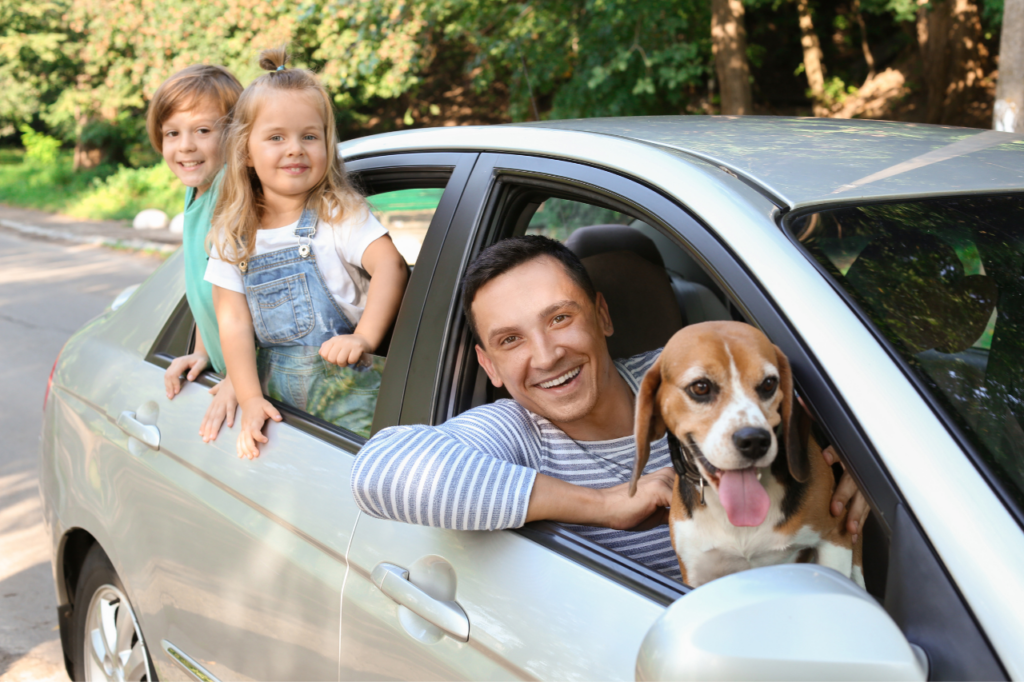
(1008, 114)
(729, 46)
(812, 58)
(36, 59)
(952, 57)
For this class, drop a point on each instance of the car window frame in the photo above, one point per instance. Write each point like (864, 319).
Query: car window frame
(429, 396)
(785, 223)
(392, 172)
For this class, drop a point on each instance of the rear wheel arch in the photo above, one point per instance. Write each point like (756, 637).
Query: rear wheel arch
(74, 547)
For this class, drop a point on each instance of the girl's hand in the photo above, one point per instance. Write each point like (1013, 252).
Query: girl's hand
(255, 412)
(221, 410)
(345, 349)
(194, 363)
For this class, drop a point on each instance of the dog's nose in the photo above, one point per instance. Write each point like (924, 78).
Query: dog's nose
(752, 442)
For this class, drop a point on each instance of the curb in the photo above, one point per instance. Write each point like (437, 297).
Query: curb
(51, 233)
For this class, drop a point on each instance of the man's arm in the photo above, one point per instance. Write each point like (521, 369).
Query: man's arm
(477, 473)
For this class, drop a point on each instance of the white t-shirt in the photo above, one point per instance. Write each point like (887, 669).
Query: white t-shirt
(339, 255)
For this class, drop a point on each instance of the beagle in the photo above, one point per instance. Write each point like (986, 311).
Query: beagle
(742, 498)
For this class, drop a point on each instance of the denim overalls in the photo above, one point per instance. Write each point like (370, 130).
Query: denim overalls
(293, 313)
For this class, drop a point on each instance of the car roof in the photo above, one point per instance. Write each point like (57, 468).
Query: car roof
(797, 161)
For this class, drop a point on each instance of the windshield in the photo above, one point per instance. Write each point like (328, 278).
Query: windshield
(943, 280)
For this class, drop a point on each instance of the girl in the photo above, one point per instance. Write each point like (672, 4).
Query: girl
(297, 261)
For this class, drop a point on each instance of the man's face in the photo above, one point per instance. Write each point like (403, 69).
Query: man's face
(544, 340)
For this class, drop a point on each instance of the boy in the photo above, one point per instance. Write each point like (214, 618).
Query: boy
(185, 121)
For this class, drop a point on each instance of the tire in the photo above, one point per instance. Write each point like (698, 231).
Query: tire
(107, 642)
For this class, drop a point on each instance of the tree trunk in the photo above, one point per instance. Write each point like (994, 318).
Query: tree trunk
(729, 45)
(868, 57)
(1009, 109)
(953, 59)
(812, 58)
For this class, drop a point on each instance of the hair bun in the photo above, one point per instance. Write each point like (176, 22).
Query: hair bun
(274, 58)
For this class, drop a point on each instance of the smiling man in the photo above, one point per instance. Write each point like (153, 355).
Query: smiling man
(563, 448)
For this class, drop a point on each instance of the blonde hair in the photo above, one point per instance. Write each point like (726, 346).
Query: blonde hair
(186, 89)
(240, 207)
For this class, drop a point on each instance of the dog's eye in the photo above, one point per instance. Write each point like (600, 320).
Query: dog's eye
(767, 388)
(701, 390)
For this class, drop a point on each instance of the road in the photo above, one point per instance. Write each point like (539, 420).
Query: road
(47, 291)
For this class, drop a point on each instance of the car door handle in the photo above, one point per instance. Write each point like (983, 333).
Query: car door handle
(146, 433)
(447, 615)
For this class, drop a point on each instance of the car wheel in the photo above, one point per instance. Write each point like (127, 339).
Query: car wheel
(108, 642)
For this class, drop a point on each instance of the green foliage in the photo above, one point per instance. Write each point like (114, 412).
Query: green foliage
(39, 147)
(130, 190)
(103, 193)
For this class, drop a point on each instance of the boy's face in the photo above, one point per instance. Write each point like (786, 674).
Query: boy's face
(191, 144)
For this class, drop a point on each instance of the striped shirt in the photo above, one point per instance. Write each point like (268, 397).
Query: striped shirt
(476, 472)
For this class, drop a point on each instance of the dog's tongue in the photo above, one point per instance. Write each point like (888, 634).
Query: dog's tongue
(744, 498)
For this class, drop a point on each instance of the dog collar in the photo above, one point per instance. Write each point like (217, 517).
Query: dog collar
(685, 464)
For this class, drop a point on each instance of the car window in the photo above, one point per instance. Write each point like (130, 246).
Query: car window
(406, 213)
(943, 281)
(558, 218)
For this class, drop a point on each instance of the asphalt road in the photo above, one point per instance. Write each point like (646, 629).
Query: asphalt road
(47, 291)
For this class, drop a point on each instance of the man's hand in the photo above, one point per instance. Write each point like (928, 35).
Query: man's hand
(345, 349)
(255, 413)
(193, 363)
(553, 499)
(221, 410)
(653, 494)
(847, 494)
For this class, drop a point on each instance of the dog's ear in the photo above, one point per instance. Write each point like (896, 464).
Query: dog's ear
(796, 454)
(648, 425)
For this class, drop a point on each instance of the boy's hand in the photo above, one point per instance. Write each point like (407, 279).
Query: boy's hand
(255, 412)
(193, 363)
(221, 410)
(345, 349)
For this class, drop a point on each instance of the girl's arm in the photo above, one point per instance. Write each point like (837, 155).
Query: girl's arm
(388, 276)
(237, 339)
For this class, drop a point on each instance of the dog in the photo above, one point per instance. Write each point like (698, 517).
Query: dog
(744, 497)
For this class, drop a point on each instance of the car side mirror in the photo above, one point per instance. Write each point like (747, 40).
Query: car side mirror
(786, 622)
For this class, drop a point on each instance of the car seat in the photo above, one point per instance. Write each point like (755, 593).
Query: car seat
(648, 304)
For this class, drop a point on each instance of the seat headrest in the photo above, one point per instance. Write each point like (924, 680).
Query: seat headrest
(595, 239)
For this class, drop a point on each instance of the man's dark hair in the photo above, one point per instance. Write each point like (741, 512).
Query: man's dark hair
(507, 254)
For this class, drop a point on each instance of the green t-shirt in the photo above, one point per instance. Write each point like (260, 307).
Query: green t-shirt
(198, 291)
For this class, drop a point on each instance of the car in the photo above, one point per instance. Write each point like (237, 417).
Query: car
(885, 259)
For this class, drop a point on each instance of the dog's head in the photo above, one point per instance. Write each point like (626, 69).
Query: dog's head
(724, 387)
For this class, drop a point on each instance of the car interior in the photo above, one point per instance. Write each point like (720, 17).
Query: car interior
(653, 286)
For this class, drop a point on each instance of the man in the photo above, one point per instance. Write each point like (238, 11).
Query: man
(563, 448)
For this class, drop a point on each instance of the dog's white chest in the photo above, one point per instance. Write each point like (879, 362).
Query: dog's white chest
(710, 547)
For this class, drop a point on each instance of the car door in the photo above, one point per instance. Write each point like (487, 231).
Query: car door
(542, 601)
(236, 567)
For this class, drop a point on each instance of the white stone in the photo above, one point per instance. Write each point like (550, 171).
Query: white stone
(177, 225)
(150, 219)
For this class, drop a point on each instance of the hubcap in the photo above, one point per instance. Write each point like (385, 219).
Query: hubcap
(113, 641)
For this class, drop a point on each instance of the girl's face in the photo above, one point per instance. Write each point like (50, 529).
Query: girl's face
(288, 148)
(191, 144)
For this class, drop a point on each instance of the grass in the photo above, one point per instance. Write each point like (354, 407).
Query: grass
(103, 193)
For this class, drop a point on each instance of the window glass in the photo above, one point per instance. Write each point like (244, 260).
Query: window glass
(559, 218)
(943, 280)
(343, 396)
(406, 213)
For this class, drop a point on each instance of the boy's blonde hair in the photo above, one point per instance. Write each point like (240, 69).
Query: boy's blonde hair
(185, 90)
(240, 205)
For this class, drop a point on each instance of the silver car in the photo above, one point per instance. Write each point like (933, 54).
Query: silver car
(885, 259)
